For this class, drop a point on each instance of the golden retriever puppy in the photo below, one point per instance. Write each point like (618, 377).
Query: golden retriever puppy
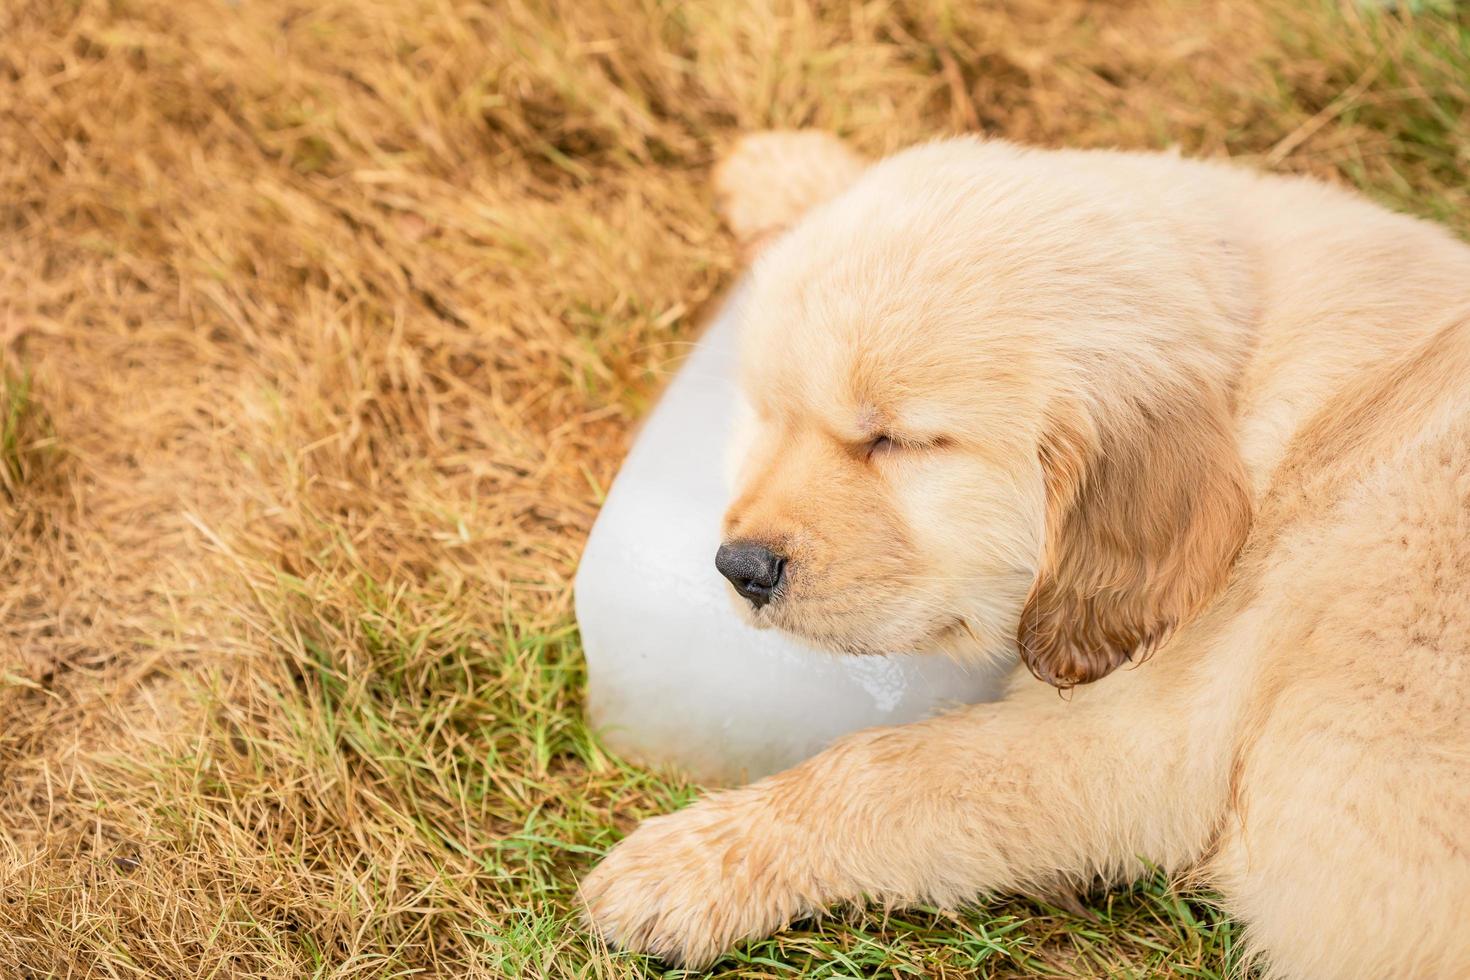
(1104, 410)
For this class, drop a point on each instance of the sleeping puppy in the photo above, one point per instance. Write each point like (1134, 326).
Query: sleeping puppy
(1103, 410)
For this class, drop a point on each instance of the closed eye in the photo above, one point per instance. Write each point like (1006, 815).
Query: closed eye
(880, 445)
(886, 445)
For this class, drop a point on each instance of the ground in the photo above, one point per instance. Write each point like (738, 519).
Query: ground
(323, 326)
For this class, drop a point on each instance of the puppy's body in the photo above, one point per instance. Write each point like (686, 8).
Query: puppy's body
(1095, 406)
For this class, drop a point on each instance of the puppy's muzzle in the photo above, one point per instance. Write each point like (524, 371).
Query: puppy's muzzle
(754, 570)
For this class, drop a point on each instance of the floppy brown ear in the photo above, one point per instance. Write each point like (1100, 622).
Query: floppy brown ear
(769, 180)
(1146, 511)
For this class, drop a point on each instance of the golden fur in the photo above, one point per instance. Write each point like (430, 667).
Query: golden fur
(1088, 407)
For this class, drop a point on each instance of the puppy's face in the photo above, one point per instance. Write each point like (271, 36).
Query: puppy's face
(881, 505)
(888, 491)
(928, 362)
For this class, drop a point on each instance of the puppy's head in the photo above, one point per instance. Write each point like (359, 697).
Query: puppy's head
(989, 409)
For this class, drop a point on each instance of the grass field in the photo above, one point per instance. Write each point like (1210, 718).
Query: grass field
(323, 326)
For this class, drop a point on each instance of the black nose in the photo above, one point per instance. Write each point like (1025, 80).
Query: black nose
(755, 571)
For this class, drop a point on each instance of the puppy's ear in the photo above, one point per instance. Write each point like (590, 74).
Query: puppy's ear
(1146, 511)
(770, 179)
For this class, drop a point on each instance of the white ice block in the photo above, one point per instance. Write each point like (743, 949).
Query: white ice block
(676, 676)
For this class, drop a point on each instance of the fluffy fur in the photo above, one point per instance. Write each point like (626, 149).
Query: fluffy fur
(1089, 407)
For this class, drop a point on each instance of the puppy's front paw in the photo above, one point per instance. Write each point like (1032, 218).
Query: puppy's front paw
(770, 179)
(688, 886)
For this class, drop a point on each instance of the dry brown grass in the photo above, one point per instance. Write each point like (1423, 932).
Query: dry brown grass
(336, 316)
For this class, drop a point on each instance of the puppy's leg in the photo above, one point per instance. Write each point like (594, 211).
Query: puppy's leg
(1015, 796)
(771, 179)
(1349, 855)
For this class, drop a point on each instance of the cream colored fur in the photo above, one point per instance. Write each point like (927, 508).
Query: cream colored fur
(1100, 407)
